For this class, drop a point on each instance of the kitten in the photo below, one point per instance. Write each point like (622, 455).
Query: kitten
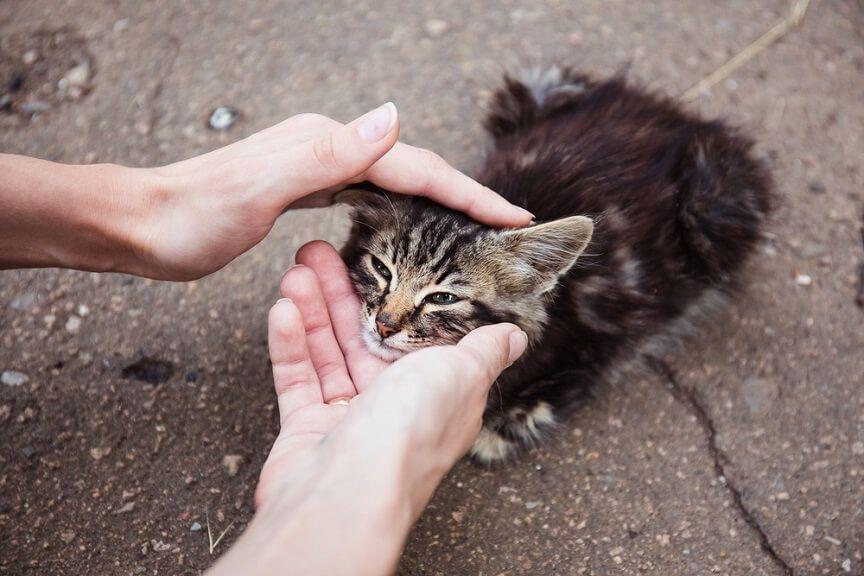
(645, 212)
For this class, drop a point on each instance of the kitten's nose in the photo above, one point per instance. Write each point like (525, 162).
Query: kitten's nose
(386, 325)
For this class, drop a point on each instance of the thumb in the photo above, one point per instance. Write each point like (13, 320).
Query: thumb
(341, 154)
(491, 349)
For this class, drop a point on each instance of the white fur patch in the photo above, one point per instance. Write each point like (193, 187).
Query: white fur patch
(489, 447)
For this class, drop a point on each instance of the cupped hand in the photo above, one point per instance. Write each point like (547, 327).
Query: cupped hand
(203, 212)
(421, 413)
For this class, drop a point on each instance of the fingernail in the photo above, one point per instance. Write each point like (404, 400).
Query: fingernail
(518, 344)
(284, 301)
(376, 124)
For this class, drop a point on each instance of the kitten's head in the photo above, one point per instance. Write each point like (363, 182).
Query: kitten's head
(427, 275)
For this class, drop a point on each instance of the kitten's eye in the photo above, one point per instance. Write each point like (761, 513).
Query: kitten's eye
(441, 298)
(381, 268)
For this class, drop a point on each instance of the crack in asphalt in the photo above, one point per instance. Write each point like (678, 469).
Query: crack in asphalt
(689, 399)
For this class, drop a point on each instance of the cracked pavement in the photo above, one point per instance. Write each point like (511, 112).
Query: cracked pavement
(743, 453)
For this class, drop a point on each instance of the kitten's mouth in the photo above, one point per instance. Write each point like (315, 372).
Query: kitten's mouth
(380, 348)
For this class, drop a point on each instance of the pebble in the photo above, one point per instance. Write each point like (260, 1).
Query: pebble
(759, 394)
(67, 536)
(847, 565)
(435, 28)
(121, 25)
(73, 324)
(33, 107)
(195, 527)
(232, 463)
(128, 507)
(160, 546)
(222, 118)
(803, 279)
(13, 378)
(22, 302)
(83, 310)
(858, 448)
(816, 187)
(30, 57)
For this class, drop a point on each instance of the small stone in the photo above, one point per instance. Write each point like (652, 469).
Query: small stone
(83, 310)
(13, 378)
(782, 496)
(126, 508)
(149, 370)
(67, 536)
(28, 451)
(30, 57)
(858, 448)
(435, 28)
(847, 565)
(5, 412)
(833, 541)
(191, 376)
(33, 107)
(78, 76)
(73, 324)
(22, 302)
(803, 279)
(143, 127)
(458, 516)
(195, 527)
(809, 530)
(759, 394)
(222, 118)
(121, 25)
(160, 546)
(232, 463)
(816, 187)
(99, 453)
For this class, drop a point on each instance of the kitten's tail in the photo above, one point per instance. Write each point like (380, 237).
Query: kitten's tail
(522, 99)
(725, 199)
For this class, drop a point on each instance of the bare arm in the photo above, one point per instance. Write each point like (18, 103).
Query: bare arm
(189, 219)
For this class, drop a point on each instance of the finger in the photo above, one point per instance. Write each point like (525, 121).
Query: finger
(488, 350)
(301, 285)
(337, 155)
(344, 308)
(294, 375)
(415, 171)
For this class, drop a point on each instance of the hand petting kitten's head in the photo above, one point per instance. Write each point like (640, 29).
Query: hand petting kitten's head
(427, 275)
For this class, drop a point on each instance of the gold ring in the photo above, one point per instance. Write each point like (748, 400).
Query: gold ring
(340, 401)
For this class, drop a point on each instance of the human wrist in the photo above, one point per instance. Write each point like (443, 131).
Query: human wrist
(340, 514)
(70, 216)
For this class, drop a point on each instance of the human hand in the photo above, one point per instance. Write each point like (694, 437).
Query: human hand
(415, 417)
(203, 212)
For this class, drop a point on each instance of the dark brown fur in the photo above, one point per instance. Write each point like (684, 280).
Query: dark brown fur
(678, 204)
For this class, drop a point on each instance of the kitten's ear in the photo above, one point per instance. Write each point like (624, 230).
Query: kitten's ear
(366, 199)
(550, 249)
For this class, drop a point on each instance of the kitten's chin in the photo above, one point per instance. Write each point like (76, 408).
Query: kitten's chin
(381, 350)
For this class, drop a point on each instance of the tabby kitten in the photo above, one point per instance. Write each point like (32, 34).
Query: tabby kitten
(644, 213)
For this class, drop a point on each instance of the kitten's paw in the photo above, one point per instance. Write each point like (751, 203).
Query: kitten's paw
(520, 428)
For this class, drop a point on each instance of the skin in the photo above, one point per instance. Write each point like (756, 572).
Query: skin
(344, 478)
(344, 482)
(189, 219)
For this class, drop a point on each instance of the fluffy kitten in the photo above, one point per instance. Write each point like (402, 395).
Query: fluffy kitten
(644, 212)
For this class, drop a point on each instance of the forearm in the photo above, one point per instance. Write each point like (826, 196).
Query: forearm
(70, 216)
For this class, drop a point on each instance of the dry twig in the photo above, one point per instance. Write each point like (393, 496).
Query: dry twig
(771, 36)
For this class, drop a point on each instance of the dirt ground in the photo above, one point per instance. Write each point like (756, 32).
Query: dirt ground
(134, 414)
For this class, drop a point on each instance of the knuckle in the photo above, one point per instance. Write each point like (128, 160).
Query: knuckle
(324, 150)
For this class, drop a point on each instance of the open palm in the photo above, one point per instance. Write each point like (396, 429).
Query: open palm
(318, 356)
